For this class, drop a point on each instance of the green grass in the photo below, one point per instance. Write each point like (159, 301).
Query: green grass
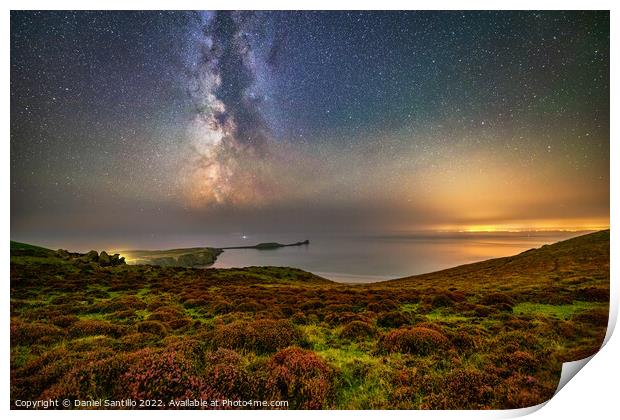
(96, 316)
(143, 313)
(555, 311)
(316, 336)
(410, 307)
(20, 355)
(35, 260)
(363, 377)
(443, 316)
(198, 315)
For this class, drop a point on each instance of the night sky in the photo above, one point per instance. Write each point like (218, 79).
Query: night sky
(133, 125)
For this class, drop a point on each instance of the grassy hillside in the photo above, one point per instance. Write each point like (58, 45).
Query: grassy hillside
(19, 248)
(561, 261)
(485, 335)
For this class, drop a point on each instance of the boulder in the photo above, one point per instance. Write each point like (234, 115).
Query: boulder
(116, 259)
(63, 253)
(104, 258)
(92, 256)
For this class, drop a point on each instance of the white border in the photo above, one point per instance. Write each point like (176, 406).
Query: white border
(593, 394)
(312, 5)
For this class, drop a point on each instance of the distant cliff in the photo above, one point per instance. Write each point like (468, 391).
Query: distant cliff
(192, 257)
(180, 257)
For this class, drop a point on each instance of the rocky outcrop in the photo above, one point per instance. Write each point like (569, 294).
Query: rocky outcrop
(103, 259)
(91, 256)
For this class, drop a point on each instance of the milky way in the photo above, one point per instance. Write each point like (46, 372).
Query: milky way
(229, 130)
(133, 123)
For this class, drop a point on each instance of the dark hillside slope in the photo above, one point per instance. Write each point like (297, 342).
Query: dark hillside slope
(578, 262)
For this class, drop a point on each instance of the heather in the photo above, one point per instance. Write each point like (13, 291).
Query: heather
(486, 335)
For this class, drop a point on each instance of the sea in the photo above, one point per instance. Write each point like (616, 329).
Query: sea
(354, 258)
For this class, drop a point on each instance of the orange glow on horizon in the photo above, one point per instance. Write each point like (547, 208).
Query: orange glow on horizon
(529, 226)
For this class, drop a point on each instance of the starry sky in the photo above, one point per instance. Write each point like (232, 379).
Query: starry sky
(131, 125)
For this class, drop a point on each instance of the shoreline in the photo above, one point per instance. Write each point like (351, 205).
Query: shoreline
(209, 258)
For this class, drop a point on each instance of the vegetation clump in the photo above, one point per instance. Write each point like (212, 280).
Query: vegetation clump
(417, 340)
(163, 375)
(393, 319)
(357, 330)
(88, 327)
(261, 336)
(301, 377)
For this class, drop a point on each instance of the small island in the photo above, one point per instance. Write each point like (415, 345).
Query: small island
(268, 245)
